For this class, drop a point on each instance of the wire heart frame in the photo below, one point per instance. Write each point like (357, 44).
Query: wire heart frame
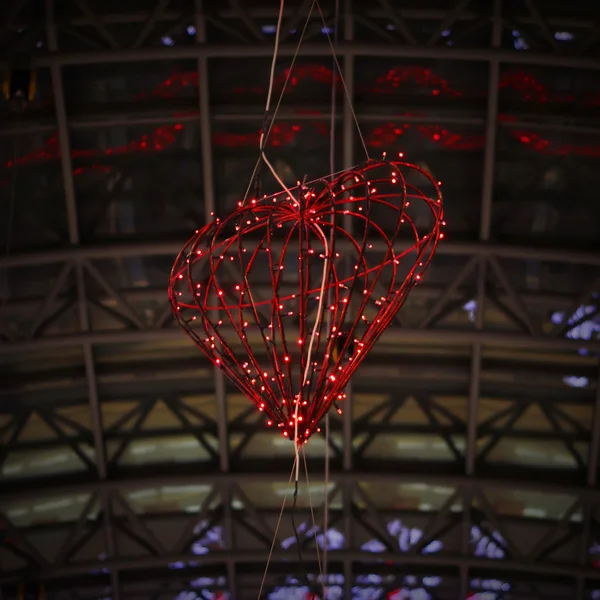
(289, 293)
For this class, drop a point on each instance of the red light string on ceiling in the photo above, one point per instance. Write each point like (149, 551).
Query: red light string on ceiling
(284, 134)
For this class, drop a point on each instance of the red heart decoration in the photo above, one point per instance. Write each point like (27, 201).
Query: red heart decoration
(288, 294)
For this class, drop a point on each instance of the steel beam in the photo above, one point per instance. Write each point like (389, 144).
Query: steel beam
(21, 491)
(594, 451)
(73, 230)
(175, 113)
(436, 337)
(172, 248)
(489, 163)
(345, 50)
(503, 568)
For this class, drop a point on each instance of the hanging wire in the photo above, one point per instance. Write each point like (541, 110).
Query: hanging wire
(274, 541)
(267, 125)
(269, 119)
(268, 122)
(342, 80)
(314, 524)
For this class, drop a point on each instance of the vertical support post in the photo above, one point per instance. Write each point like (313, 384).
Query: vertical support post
(487, 196)
(73, 229)
(592, 479)
(594, 452)
(209, 209)
(467, 501)
(491, 127)
(484, 231)
(348, 137)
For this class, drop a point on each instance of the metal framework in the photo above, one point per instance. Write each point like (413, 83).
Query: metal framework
(469, 384)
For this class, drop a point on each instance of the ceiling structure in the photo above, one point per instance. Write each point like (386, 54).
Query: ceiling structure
(465, 464)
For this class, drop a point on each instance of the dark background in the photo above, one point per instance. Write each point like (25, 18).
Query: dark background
(466, 463)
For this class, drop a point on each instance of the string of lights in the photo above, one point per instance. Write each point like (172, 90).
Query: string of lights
(382, 136)
(262, 344)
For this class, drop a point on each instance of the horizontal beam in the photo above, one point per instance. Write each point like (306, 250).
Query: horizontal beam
(343, 49)
(502, 568)
(427, 291)
(172, 248)
(19, 491)
(438, 337)
(132, 113)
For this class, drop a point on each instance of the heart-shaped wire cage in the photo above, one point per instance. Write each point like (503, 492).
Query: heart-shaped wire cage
(288, 294)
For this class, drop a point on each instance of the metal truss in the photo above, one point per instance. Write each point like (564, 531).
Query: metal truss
(113, 545)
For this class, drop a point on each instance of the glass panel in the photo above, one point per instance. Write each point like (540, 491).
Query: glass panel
(406, 446)
(236, 153)
(29, 288)
(528, 375)
(532, 504)
(544, 453)
(538, 92)
(421, 86)
(271, 495)
(423, 497)
(273, 444)
(31, 183)
(536, 170)
(382, 585)
(173, 449)
(138, 180)
(422, 26)
(118, 83)
(176, 348)
(445, 152)
(45, 463)
(203, 406)
(244, 82)
(169, 499)
(28, 512)
(137, 272)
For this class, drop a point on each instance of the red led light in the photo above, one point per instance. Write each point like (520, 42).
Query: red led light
(333, 291)
(528, 88)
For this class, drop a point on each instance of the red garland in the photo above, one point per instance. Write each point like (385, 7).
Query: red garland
(338, 259)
